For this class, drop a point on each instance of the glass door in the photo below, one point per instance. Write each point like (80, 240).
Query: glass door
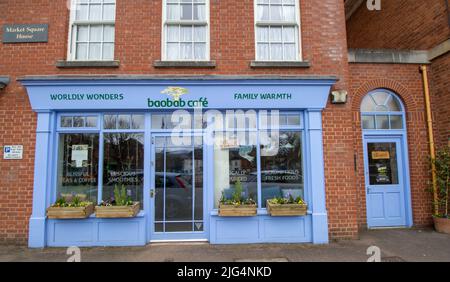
(177, 194)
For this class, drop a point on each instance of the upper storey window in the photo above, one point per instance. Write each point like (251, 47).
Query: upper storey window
(186, 30)
(92, 28)
(277, 30)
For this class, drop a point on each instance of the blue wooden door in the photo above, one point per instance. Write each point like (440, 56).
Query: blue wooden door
(385, 182)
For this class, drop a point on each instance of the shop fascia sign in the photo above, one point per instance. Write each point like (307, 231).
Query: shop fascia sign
(177, 98)
(158, 94)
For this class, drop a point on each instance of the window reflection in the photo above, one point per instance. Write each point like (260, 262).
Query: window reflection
(383, 168)
(281, 165)
(78, 167)
(234, 162)
(123, 165)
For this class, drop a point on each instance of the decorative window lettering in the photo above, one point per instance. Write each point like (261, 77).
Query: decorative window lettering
(280, 157)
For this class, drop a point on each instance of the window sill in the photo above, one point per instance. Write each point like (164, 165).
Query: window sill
(87, 64)
(286, 64)
(184, 64)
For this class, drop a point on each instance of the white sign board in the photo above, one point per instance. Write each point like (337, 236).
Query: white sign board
(13, 152)
(79, 154)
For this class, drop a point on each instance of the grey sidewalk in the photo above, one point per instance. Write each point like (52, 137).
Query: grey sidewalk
(395, 245)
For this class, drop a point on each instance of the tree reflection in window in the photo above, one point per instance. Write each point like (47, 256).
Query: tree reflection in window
(123, 164)
(281, 165)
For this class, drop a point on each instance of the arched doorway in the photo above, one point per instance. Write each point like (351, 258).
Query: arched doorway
(385, 160)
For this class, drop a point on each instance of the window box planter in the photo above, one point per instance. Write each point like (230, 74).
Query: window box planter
(55, 212)
(117, 211)
(442, 225)
(237, 210)
(286, 209)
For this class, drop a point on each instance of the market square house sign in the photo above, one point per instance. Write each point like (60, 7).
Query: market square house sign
(25, 33)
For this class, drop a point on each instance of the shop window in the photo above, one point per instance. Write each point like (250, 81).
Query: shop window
(79, 122)
(123, 165)
(186, 30)
(289, 120)
(277, 150)
(281, 165)
(382, 110)
(235, 162)
(92, 30)
(277, 30)
(178, 119)
(123, 121)
(78, 166)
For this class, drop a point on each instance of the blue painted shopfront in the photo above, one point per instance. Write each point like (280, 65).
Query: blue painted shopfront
(54, 99)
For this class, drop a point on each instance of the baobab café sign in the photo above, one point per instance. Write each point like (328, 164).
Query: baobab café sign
(97, 94)
(175, 97)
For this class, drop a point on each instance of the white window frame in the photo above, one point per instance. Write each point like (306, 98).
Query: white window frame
(296, 24)
(71, 50)
(166, 22)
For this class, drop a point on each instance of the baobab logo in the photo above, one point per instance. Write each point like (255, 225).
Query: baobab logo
(175, 92)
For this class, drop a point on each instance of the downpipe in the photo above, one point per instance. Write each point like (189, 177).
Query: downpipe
(426, 90)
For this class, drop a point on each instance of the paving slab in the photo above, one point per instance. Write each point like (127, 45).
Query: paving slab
(396, 245)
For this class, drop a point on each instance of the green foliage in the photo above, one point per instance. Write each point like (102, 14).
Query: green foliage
(120, 196)
(75, 203)
(236, 198)
(286, 201)
(442, 169)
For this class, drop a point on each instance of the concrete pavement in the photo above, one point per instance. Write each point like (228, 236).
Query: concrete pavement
(395, 245)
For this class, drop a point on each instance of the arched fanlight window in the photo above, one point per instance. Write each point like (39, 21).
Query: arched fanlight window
(382, 110)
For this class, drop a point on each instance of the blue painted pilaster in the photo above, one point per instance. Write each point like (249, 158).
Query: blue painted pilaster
(42, 180)
(317, 178)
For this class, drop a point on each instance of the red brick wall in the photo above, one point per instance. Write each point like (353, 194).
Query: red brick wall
(401, 24)
(406, 82)
(138, 35)
(440, 98)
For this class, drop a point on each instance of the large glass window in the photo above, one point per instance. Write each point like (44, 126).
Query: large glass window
(277, 30)
(80, 155)
(186, 30)
(92, 30)
(123, 164)
(78, 166)
(278, 153)
(281, 165)
(235, 162)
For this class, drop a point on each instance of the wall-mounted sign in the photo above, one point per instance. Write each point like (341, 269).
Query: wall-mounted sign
(380, 155)
(13, 152)
(25, 33)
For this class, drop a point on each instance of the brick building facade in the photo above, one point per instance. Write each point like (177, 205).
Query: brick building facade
(325, 38)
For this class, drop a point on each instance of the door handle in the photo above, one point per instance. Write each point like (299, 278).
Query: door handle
(152, 193)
